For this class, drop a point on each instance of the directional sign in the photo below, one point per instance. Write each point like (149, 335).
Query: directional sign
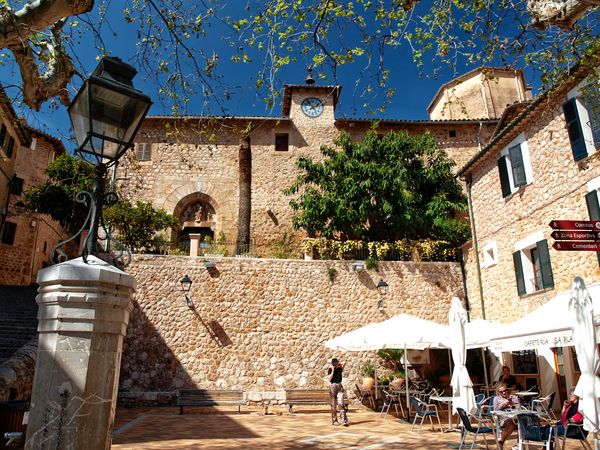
(576, 246)
(575, 235)
(583, 225)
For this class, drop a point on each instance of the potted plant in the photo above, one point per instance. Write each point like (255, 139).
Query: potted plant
(367, 370)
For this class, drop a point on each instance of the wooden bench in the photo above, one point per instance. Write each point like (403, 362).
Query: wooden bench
(308, 397)
(203, 397)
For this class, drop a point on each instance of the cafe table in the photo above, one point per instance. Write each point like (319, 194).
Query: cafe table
(526, 396)
(500, 416)
(446, 399)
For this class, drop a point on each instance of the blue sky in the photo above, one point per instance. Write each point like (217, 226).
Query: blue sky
(413, 92)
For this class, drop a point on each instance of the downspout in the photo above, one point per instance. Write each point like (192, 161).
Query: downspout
(469, 181)
(464, 279)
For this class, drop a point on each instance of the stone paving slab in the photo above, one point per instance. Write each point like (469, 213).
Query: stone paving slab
(163, 428)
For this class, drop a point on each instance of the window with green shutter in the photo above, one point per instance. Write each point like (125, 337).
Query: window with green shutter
(533, 269)
(2, 135)
(593, 207)
(517, 166)
(545, 267)
(578, 146)
(504, 180)
(519, 273)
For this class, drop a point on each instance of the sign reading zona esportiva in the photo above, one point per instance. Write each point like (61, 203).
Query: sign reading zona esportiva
(567, 235)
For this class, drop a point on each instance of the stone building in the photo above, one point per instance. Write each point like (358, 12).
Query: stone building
(541, 165)
(26, 238)
(189, 166)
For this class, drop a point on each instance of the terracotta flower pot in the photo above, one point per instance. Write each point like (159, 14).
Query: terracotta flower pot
(368, 383)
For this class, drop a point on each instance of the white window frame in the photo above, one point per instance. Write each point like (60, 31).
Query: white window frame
(522, 142)
(489, 254)
(146, 149)
(524, 246)
(584, 117)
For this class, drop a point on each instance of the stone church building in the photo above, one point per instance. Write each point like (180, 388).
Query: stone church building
(189, 166)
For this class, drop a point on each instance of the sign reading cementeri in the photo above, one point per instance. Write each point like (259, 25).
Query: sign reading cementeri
(576, 235)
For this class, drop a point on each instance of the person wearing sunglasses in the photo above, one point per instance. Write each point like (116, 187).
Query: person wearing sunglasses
(503, 401)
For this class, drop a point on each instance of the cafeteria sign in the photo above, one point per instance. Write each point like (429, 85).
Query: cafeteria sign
(542, 340)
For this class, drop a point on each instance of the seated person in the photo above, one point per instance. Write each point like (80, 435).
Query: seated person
(570, 414)
(503, 400)
(508, 379)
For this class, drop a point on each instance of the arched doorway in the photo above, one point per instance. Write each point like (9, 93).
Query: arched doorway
(197, 215)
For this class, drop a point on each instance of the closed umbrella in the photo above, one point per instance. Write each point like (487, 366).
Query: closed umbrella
(462, 387)
(584, 339)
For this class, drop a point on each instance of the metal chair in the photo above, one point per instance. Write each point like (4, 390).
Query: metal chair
(543, 405)
(423, 410)
(477, 430)
(532, 433)
(390, 399)
(575, 431)
(485, 408)
(361, 395)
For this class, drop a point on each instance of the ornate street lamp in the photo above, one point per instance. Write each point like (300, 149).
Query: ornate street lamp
(106, 114)
(383, 288)
(186, 286)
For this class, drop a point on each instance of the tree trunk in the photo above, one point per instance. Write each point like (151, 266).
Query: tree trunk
(562, 13)
(245, 195)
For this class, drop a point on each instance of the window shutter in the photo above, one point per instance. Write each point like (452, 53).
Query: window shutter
(545, 266)
(574, 126)
(592, 104)
(519, 273)
(143, 151)
(10, 147)
(504, 181)
(591, 199)
(8, 234)
(2, 135)
(516, 163)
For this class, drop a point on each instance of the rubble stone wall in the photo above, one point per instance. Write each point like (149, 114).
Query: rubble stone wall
(259, 325)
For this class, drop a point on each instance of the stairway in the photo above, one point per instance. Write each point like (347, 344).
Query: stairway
(18, 318)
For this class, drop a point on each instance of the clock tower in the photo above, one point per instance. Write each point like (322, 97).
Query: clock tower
(308, 105)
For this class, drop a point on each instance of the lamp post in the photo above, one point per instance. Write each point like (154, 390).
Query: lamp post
(106, 114)
(84, 303)
(186, 286)
(383, 288)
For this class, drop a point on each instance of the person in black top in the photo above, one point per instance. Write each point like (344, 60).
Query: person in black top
(508, 379)
(336, 392)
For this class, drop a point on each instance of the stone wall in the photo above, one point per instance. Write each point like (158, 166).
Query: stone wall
(259, 325)
(557, 191)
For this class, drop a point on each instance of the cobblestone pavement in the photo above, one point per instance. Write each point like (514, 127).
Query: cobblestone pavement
(207, 428)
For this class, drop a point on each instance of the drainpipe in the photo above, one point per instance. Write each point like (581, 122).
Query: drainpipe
(475, 243)
(464, 280)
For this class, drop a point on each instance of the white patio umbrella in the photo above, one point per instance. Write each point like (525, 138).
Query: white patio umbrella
(462, 387)
(545, 326)
(584, 339)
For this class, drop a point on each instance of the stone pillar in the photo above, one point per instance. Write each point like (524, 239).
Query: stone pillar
(83, 315)
(194, 243)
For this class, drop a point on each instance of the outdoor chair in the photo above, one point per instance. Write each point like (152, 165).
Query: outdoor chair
(423, 410)
(575, 431)
(485, 408)
(527, 400)
(532, 433)
(363, 395)
(477, 430)
(390, 399)
(543, 405)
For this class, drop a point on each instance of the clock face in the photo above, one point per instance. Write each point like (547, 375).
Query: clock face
(312, 107)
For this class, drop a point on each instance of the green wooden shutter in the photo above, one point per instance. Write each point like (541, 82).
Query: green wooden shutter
(519, 273)
(592, 104)
(504, 181)
(574, 126)
(2, 135)
(593, 206)
(517, 166)
(545, 265)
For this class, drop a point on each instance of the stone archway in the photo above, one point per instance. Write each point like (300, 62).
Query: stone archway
(197, 214)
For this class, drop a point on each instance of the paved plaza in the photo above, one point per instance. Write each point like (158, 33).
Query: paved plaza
(208, 428)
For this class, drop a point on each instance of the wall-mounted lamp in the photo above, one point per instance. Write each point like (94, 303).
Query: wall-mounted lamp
(209, 265)
(383, 288)
(358, 266)
(186, 286)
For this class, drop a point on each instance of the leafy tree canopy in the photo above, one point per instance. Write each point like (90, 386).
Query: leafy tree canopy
(383, 188)
(178, 43)
(138, 224)
(68, 175)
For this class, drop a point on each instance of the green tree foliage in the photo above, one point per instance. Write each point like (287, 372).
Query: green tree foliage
(138, 224)
(68, 175)
(65, 177)
(383, 188)
(175, 42)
